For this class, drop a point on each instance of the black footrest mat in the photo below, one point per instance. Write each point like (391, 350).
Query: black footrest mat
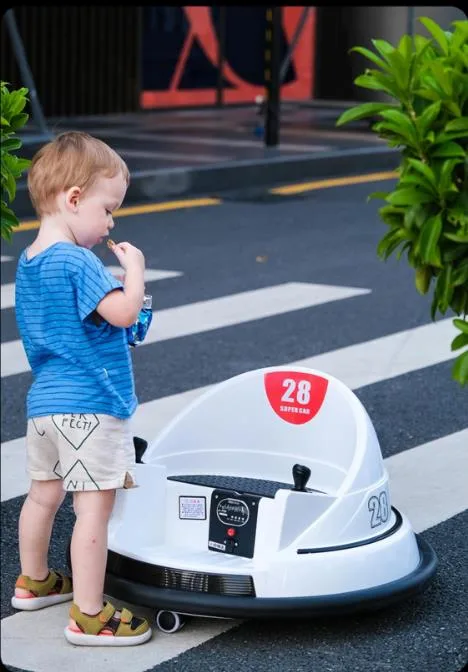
(246, 486)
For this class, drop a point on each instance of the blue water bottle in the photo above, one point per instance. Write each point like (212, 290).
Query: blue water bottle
(137, 332)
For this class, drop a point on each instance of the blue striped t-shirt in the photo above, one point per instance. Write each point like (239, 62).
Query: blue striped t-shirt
(80, 363)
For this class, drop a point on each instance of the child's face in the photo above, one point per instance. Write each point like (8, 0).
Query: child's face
(92, 211)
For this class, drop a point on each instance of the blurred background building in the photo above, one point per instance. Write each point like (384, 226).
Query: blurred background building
(92, 60)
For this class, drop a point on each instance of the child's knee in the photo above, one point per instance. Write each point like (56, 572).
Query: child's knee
(48, 494)
(94, 503)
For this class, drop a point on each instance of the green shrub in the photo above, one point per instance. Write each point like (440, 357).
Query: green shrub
(427, 211)
(13, 118)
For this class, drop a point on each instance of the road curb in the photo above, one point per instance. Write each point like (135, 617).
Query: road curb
(148, 186)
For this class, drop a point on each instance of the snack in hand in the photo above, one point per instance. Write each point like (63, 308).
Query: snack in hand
(110, 243)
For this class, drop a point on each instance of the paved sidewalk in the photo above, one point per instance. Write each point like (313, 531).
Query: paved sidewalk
(201, 152)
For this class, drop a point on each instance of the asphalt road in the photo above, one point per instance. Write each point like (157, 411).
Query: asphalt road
(252, 241)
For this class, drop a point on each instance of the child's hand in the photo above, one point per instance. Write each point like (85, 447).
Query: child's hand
(128, 255)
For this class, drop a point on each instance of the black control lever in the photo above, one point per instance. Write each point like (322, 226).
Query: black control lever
(140, 446)
(301, 475)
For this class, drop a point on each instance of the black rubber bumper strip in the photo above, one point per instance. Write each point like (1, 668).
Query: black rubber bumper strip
(275, 607)
(365, 542)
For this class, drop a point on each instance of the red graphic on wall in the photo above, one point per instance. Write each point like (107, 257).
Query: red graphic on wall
(202, 30)
(295, 397)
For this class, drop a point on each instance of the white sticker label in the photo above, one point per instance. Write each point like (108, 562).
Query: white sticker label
(219, 547)
(192, 508)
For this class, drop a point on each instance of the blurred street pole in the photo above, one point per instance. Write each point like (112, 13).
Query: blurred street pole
(221, 55)
(297, 34)
(410, 21)
(26, 74)
(272, 75)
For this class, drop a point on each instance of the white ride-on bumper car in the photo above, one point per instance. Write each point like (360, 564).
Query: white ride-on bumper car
(266, 497)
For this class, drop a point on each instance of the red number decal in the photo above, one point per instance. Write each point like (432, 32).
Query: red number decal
(295, 397)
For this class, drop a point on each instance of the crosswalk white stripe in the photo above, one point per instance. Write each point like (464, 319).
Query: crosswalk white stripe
(8, 290)
(151, 274)
(196, 318)
(427, 483)
(356, 365)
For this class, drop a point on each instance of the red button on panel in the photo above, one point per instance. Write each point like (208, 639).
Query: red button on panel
(231, 532)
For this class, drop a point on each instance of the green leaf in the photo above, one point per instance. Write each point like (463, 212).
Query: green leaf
(390, 242)
(11, 145)
(460, 276)
(370, 82)
(436, 32)
(428, 94)
(9, 182)
(360, 112)
(19, 121)
(372, 57)
(416, 215)
(425, 172)
(385, 127)
(459, 341)
(391, 216)
(378, 194)
(400, 69)
(446, 174)
(419, 182)
(456, 237)
(444, 287)
(384, 48)
(8, 216)
(406, 246)
(405, 48)
(442, 77)
(409, 196)
(462, 325)
(422, 279)
(429, 239)
(457, 125)
(448, 150)
(456, 251)
(374, 79)
(428, 117)
(460, 369)
(22, 164)
(459, 303)
(447, 137)
(400, 119)
(452, 106)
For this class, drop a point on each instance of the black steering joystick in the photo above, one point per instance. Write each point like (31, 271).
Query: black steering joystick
(301, 475)
(140, 446)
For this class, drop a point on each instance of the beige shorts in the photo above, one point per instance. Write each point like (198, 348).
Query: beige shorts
(86, 451)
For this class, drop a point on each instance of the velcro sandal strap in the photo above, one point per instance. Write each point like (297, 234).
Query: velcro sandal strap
(40, 588)
(92, 625)
(126, 616)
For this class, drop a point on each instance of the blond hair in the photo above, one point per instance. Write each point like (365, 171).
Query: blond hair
(71, 159)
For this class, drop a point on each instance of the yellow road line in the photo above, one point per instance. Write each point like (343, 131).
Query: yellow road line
(140, 210)
(334, 182)
(201, 202)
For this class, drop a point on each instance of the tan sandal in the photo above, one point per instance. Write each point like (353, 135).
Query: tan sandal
(55, 588)
(107, 629)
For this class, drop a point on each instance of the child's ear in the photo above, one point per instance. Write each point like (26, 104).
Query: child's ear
(72, 198)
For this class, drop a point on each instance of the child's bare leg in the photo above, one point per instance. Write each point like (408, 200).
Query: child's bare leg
(89, 548)
(35, 527)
